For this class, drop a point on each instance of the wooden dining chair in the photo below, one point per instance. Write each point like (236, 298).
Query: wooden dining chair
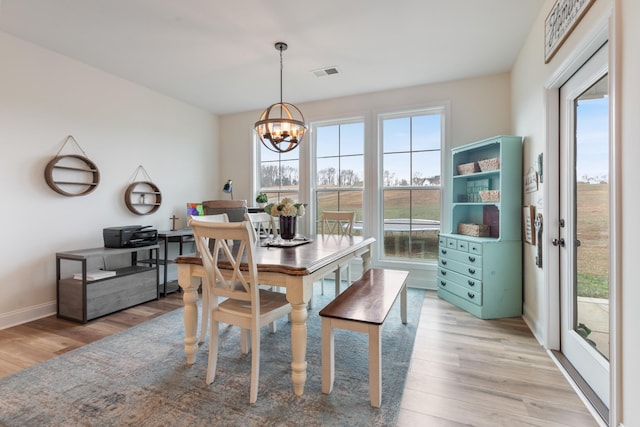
(204, 322)
(262, 223)
(235, 209)
(236, 297)
(338, 223)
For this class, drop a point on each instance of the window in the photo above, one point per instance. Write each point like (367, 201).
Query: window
(405, 170)
(279, 174)
(411, 183)
(339, 166)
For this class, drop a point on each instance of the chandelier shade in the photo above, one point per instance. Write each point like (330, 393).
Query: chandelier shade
(281, 126)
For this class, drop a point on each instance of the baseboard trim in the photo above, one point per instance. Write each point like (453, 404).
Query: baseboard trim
(18, 317)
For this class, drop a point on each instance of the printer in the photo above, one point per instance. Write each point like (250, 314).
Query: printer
(129, 236)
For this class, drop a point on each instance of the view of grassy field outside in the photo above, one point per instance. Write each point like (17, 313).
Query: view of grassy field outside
(592, 191)
(417, 204)
(593, 234)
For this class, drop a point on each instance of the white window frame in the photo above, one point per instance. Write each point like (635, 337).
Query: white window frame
(313, 164)
(377, 229)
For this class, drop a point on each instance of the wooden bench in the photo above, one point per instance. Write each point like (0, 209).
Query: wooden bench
(363, 307)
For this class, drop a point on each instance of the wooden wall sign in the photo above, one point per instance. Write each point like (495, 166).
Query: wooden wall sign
(528, 226)
(531, 181)
(562, 19)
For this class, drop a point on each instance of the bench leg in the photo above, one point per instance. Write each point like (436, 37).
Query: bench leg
(328, 360)
(403, 304)
(375, 367)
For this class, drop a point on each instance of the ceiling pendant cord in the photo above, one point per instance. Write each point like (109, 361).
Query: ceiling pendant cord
(281, 47)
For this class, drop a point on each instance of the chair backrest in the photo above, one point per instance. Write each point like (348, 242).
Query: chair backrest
(223, 217)
(338, 222)
(236, 283)
(235, 209)
(259, 219)
(210, 218)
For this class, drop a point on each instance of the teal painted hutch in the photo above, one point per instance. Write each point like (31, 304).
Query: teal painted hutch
(480, 255)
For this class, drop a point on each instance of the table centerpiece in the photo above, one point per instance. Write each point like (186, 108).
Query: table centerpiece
(287, 212)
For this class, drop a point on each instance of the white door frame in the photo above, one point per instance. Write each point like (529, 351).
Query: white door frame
(603, 31)
(592, 365)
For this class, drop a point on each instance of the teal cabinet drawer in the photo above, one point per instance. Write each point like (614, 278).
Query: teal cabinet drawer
(444, 251)
(475, 248)
(471, 283)
(463, 257)
(463, 245)
(460, 291)
(452, 243)
(459, 267)
(442, 242)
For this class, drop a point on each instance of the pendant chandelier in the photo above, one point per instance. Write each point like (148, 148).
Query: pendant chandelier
(281, 126)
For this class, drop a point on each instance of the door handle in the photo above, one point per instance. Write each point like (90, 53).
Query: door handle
(558, 242)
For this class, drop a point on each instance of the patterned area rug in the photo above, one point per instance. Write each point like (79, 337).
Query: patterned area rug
(139, 377)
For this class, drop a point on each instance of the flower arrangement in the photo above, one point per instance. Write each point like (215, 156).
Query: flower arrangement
(286, 207)
(262, 198)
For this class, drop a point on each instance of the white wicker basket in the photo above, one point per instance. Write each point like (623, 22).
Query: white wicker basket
(467, 168)
(489, 164)
(475, 230)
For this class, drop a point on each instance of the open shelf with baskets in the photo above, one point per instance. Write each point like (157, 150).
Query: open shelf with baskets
(479, 254)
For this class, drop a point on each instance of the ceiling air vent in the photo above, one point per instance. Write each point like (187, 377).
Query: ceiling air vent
(327, 71)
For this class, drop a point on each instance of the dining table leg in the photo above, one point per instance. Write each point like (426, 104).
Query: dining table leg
(189, 284)
(366, 259)
(299, 296)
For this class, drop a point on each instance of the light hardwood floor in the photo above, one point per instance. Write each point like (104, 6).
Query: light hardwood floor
(464, 371)
(34, 342)
(470, 372)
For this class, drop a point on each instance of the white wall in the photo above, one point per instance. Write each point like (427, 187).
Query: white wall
(529, 77)
(43, 98)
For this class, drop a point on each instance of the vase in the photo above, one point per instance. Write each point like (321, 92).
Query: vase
(288, 227)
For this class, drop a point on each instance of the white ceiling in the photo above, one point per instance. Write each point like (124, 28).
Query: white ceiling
(220, 56)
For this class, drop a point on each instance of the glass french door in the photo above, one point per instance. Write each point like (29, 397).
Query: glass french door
(584, 237)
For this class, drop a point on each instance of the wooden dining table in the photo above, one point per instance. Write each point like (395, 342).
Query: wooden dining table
(294, 268)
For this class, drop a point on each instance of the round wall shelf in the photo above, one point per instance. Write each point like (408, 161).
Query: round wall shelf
(72, 175)
(143, 197)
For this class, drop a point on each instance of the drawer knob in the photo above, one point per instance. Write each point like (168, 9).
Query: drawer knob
(443, 283)
(443, 272)
(472, 296)
(471, 282)
(444, 251)
(472, 259)
(472, 270)
(444, 261)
